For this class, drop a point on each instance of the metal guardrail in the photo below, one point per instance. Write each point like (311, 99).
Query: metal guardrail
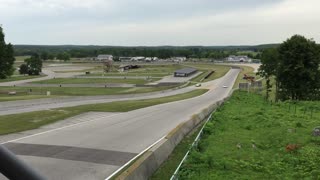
(15, 169)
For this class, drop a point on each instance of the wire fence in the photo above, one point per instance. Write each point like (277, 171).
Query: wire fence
(175, 175)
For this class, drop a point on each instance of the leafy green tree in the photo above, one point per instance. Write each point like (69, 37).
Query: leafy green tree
(6, 57)
(23, 69)
(34, 64)
(63, 56)
(51, 56)
(269, 68)
(298, 74)
(45, 56)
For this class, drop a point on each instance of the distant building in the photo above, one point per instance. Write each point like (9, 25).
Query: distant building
(179, 59)
(125, 59)
(104, 57)
(150, 59)
(139, 58)
(238, 59)
(185, 72)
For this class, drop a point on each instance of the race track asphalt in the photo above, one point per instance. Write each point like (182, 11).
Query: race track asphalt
(95, 149)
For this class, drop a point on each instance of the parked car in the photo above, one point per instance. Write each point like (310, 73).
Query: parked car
(198, 85)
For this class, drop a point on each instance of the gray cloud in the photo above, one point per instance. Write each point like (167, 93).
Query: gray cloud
(155, 22)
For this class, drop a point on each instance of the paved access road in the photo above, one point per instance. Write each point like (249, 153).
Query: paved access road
(97, 148)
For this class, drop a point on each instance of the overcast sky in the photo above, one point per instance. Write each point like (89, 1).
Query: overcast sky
(158, 22)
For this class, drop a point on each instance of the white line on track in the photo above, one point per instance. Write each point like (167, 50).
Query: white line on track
(122, 167)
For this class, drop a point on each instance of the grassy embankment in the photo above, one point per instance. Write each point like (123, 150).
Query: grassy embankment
(247, 139)
(168, 167)
(32, 120)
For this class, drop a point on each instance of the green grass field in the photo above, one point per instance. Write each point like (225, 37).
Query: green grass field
(79, 91)
(94, 81)
(22, 97)
(247, 139)
(21, 58)
(32, 120)
(17, 78)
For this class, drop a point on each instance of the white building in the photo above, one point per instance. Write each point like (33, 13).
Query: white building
(233, 58)
(151, 59)
(104, 57)
(179, 59)
(139, 58)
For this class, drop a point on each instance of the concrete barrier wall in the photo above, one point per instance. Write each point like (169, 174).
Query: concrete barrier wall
(150, 161)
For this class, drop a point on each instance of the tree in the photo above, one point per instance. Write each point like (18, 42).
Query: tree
(295, 65)
(299, 74)
(63, 56)
(6, 57)
(23, 69)
(34, 64)
(51, 56)
(269, 68)
(108, 64)
(44, 56)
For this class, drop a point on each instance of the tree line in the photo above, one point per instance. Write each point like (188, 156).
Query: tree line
(295, 67)
(163, 52)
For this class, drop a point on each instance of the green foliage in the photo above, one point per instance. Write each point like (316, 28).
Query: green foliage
(299, 75)
(44, 56)
(6, 57)
(63, 56)
(269, 67)
(247, 139)
(295, 65)
(34, 64)
(23, 69)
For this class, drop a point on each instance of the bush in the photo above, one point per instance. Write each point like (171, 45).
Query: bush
(23, 69)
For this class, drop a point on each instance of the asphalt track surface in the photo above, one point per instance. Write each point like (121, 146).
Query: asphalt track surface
(96, 148)
(23, 106)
